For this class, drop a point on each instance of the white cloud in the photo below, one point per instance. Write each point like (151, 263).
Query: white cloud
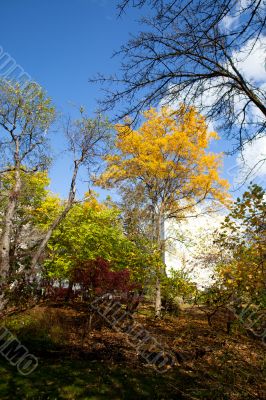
(250, 162)
(230, 21)
(251, 60)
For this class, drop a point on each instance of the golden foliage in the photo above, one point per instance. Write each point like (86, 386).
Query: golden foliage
(169, 155)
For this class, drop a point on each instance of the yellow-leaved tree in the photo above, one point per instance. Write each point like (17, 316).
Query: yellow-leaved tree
(168, 158)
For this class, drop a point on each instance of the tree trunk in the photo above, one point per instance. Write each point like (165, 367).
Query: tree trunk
(58, 220)
(8, 225)
(158, 299)
(69, 290)
(45, 240)
(160, 237)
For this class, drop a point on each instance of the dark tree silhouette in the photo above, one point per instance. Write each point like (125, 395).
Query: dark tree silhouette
(191, 51)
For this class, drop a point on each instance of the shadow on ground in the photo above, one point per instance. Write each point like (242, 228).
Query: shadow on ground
(78, 379)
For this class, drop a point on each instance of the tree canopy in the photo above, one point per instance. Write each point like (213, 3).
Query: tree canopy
(193, 51)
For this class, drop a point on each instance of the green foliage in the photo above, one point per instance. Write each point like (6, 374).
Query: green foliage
(93, 230)
(33, 190)
(32, 212)
(178, 283)
(25, 113)
(176, 286)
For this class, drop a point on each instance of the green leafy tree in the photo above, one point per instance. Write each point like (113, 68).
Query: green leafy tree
(92, 230)
(35, 203)
(25, 117)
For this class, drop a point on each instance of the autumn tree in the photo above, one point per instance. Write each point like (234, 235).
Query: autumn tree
(243, 238)
(237, 256)
(96, 277)
(167, 159)
(25, 117)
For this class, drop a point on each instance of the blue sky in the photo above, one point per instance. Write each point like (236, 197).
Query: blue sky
(61, 43)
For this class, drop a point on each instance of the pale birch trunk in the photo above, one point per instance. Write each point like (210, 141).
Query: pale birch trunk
(158, 299)
(8, 219)
(160, 241)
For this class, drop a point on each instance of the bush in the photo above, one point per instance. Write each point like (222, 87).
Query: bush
(171, 305)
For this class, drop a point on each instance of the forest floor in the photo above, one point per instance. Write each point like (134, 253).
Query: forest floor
(101, 363)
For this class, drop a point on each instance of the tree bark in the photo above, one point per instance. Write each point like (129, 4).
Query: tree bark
(69, 290)
(158, 299)
(5, 242)
(71, 197)
(45, 240)
(160, 237)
